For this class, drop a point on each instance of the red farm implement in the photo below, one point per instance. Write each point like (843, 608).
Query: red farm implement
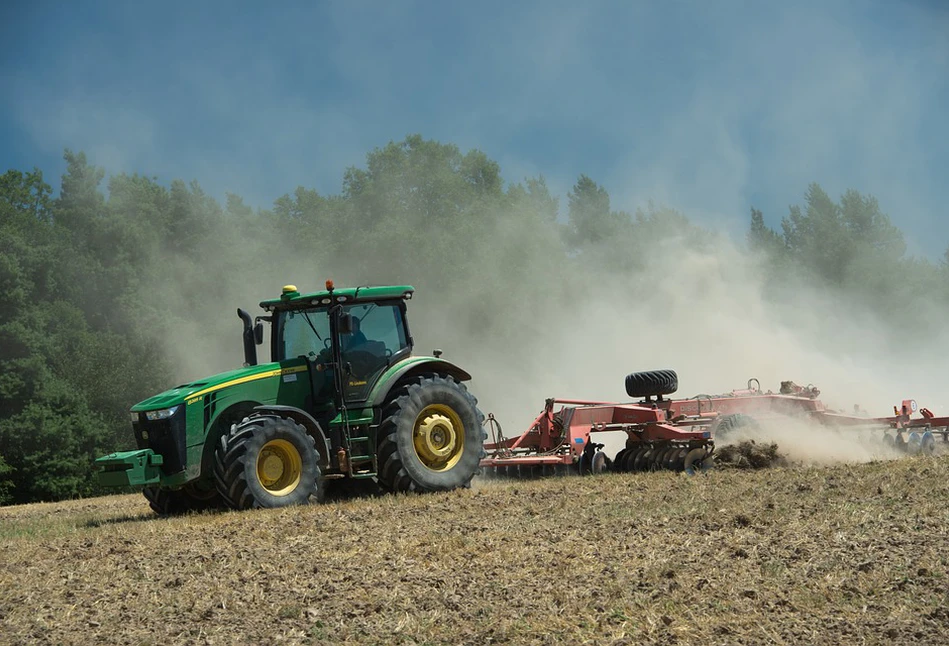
(563, 437)
(903, 430)
(678, 434)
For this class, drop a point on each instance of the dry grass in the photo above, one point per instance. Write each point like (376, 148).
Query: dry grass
(844, 554)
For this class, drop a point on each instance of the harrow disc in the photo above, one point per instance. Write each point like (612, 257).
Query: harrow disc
(618, 460)
(599, 464)
(697, 461)
(644, 459)
(662, 457)
(927, 443)
(678, 460)
(631, 459)
(914, 443)
(659, 459)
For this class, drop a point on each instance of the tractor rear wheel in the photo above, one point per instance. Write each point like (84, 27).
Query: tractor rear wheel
(267, 461)
(652, 382)
(431, 437)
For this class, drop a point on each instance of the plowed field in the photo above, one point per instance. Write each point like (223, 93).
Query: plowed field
(843, 554)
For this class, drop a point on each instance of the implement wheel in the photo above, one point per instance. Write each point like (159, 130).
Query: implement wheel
(267, 461)
(431, 436)
(728, 424)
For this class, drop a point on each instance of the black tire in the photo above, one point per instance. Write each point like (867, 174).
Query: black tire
(165, 502)
(728, 424)
(432, 409)
(652, 382)
(290, 471)
(192, 498)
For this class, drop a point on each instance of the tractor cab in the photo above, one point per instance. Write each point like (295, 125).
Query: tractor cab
(368, 337)
(348, 337)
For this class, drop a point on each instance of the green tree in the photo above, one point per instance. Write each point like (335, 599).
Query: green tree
(6, 483)
(590, 220)
(419, 195)
(761, 237)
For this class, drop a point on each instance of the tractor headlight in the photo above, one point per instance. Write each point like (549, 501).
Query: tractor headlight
(164, 413)
(133, 416)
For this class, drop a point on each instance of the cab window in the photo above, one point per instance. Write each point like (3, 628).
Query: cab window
(303, 332)
(382, 325)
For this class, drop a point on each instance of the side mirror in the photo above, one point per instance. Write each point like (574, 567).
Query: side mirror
(259, 333)
(345, 323)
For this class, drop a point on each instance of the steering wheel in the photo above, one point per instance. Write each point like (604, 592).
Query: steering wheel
(363, 363)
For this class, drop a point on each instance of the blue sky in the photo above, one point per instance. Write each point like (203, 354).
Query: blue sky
(710, 107)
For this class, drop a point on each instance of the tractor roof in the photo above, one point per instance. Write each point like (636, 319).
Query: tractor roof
(292, 298)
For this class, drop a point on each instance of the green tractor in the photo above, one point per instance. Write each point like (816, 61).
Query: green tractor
(343, 399)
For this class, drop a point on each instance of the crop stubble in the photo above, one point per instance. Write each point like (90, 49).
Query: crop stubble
(843, 554)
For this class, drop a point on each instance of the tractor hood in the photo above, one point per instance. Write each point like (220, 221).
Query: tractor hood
(180, 394)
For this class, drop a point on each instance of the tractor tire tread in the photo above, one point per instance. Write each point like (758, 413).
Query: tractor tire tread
(231, 465)
(393, 453)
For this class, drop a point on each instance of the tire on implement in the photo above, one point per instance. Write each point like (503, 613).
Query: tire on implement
(652, 382)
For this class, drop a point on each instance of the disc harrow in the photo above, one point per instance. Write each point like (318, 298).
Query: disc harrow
(562, 439)
(746, 408)
(678, 434)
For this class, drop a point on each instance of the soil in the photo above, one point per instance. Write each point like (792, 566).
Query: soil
(847, 554)
(749, 454)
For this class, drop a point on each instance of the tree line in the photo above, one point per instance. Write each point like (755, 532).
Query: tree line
(109, 289)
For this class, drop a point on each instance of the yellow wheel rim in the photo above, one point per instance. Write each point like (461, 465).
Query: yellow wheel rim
(279, 467)
(439, 437)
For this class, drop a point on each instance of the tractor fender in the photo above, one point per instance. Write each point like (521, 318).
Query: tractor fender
(411, 367)
(306, 420)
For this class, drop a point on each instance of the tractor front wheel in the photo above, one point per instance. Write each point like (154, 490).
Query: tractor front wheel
(431, 436)
(267, 461)
(194, 497)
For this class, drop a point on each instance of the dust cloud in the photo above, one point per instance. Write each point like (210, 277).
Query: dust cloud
(803, 441)
(530, 321)
(705, 314)
(528, 328)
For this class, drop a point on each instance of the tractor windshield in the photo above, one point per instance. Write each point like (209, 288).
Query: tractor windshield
(379, 328)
